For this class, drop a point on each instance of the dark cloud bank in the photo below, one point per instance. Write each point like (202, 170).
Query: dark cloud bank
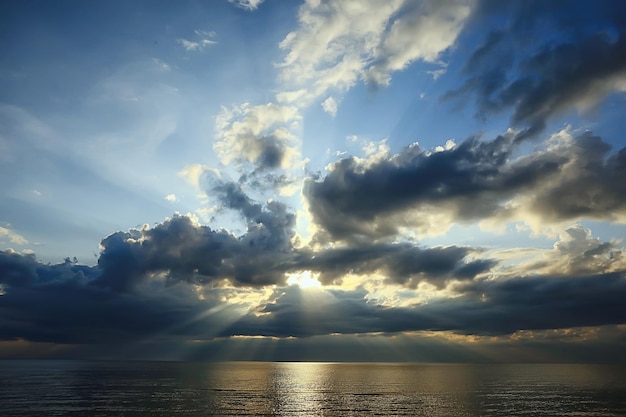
(179, 281)
(148, 283)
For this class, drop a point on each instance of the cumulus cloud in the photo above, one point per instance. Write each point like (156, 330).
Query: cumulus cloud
(166, 281)
(339, 42)
(577, 253)
(581, 253)
(332, 42)
(422, 31)
(589, 184)
(260, 135)
(184, 251)
(493, 304)
(193, 174)
(571, 178)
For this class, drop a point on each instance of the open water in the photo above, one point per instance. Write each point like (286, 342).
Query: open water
(79, 388)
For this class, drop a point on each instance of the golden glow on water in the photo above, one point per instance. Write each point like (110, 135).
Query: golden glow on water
(308, 389)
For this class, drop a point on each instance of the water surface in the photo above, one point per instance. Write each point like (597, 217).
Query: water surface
(78, 388)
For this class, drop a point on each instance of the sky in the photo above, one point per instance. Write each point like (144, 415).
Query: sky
(340, 180)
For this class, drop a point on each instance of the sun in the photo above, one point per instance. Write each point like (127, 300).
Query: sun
(304, 279)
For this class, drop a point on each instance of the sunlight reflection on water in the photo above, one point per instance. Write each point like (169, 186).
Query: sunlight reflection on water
(60, 388)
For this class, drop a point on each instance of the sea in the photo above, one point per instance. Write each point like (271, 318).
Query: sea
(111, 388)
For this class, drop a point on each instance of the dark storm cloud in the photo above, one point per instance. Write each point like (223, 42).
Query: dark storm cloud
(264, 254)
(18, 271)
(544, 302)
(572, 178)
(487, 307)
(545, 58)
(403, 264)
(275, 217)
(591, 185)
(167, 282)
(69, 303)
(122, 300)
(198, 254)
(58, 303)
(473, 177)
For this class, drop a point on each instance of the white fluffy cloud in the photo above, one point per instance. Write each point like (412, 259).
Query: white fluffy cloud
(339, 42)
(424, 31)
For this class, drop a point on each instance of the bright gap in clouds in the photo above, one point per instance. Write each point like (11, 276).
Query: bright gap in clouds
(304, 279)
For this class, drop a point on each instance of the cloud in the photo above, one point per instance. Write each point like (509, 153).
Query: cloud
(330, 106)
(402, 263)
(260, 135)
(12, 236)
(193, 174)
(544, 302)
(164, 67)
(179, 282)
(170, 283)
(203, 39)
(487, 307)
(338, 43)
(184, 251)
(577, 253)
(60, 304)
(248, 5)
(571, 178)
(492, 304)
(422, 31)
(331, 49)
(579, 58)
(589, 184)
